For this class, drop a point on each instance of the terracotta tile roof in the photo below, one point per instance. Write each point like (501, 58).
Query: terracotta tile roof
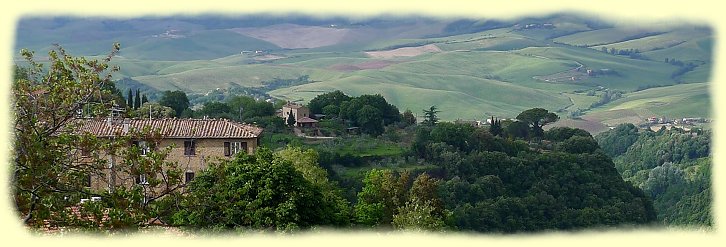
(172, 127)
(293, 106)
(307, 120)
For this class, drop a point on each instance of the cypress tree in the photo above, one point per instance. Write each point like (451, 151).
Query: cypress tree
(130, 99)
(144, 99)
(137, 100)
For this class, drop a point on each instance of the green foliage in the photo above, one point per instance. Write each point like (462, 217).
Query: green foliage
(290, 119)
(388, 200)
(536, 118)
(564, 133)
(382, 194)
(417, 215)
(130, 98)
(177, 100)
(408, 118)
(49, 176)
(517, 129)
(370, 120)
(317, 105)
(262, 191)
(672, 168)
(249, 108)
(430, 117)
(369, 112)
(495, 127)
(578, 145)
(214, 109)
(137, 100)
(155, 110)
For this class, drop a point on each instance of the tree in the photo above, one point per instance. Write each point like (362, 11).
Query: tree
(370, 120)
(430, 117)
(260, 191)
(48, 177)
(291, 119)
(536, 118)
(153, 110)
(243, 108)
(144, 99)
(382, 194)
(408, 118)
(331, 110)
(215, 110)
(517, 129)
(177, 100)
(306, 163)
(495, 127)
(137, 100)
(130, 99)
(334, 98)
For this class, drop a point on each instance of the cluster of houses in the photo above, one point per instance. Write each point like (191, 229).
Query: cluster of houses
(655, 123)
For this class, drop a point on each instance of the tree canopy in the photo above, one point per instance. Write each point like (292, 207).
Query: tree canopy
(536, 118)
(177, 100)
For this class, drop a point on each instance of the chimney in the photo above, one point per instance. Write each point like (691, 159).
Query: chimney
(109, 121)
(126, 124)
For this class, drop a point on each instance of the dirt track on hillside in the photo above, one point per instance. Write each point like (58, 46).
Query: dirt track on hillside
(404, 52)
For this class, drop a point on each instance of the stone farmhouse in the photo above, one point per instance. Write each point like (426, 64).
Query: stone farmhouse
(194, 142)
(300, 113)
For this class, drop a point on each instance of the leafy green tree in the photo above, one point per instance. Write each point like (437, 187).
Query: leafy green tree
(430, 117)
(331, 110)
(214, 110)
(370, 120)
(408, 118)
(564, 133)
(517, 129)
(144, 99)
(306, 163)
(578, 145)
(244, 108)
(177, 100)
(382, 194)
(334, 98)
(137, 100)
(536, 118)
(49, 178)
(260, 191)
(153, 110)
(418, 215)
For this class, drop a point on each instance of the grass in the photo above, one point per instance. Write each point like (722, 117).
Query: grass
(699, 49)
(632, 73)
(659, 41)
(460, 89)
(679, 101)
(604, 36)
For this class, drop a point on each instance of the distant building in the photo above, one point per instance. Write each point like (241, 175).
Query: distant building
(300, 113)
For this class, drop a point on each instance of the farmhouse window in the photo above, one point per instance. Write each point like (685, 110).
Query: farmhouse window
(188, 176)
(232, 148)
(190, 147)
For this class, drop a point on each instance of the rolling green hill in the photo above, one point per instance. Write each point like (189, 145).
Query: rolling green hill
(679, 101)
(470, 69)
